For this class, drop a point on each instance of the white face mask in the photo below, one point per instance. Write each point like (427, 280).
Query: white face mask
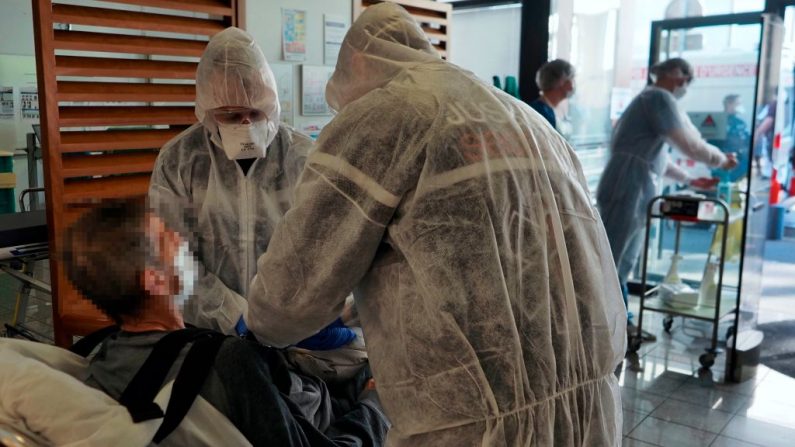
(241, 141)
(680, 92)
(184, 265)
(739, 110)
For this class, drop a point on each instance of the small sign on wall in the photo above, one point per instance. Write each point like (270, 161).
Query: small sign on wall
(7, 110)
(294, 34)
(29, 103)
(334, 29)
(313, 89)
(283, 73)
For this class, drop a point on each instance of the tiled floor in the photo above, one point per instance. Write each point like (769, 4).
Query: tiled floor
(665, 401)
(38, 314)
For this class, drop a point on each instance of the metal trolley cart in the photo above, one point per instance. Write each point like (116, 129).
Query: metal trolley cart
(686, 209)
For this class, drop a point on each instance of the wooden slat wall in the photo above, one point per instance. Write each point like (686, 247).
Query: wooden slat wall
(103, 146)
(433, 17)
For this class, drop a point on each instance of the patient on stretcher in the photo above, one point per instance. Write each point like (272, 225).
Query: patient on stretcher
(139, 272)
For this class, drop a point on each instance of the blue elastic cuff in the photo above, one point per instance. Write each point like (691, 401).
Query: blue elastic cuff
(240, 328)
(334, 336)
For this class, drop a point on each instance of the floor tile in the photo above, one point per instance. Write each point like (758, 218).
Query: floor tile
(710, 397)
(776, 387)
(763, 433)
(40, 329)
(640, 401)
(767, 410)
(631, 420)
(629, 442)
(662, 384)
(669, 434)
(692, 415)
(658, 364)
(722, 441)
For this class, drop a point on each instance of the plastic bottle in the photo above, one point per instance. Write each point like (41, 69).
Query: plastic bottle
(672, 277)
(708, 291)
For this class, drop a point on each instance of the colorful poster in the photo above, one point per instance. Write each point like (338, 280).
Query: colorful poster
(7, 111)
(294, 34)
(29, 103)
(313, 89)
(334, 29)
(283, 73)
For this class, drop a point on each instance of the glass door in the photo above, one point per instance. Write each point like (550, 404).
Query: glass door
(735, 61)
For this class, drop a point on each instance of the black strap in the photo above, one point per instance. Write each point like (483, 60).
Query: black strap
(189, 381)
(140, 393)
(87, 344)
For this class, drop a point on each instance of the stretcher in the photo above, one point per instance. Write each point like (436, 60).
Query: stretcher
(43, 401)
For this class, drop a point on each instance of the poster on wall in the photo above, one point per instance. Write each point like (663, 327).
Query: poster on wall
(294, 34)
(283, 74)
(6, 103)
(334, 29)
(313, 89)
(29, 103)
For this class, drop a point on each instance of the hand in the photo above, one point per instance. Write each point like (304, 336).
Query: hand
(730, 163)
(333, 336)
(704, 183)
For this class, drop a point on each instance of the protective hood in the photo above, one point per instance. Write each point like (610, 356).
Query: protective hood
(380, 44)
(233, 71)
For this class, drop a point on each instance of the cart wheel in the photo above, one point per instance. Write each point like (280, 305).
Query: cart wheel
(633, 344)
(668, 322)
(707, 360)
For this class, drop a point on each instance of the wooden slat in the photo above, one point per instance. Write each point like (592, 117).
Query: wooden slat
(120, 43)
(114, 18)
(116, 140)
(108, 164)
(216, 7)
(123, 68)
(124, 91)
(423, 4)
(78, 315)
(435, 34)
(423, 15)
(82, 191)
(124, 116)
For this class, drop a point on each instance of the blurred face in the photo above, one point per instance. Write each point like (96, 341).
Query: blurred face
(673, 81)
(569, 87)
(732, 107)
(237, 115)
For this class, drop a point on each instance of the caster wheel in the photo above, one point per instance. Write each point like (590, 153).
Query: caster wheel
(668, 324)
(707, 360)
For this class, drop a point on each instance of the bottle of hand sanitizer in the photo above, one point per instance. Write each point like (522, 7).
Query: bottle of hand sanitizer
(672, 277)
(708, 291)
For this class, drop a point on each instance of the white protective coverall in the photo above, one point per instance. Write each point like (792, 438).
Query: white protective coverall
(638, 162)
(231, 214)
(482, 274)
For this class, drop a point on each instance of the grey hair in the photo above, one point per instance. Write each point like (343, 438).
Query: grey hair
(552, 73)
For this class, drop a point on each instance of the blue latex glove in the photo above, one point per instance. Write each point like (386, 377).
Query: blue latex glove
(333, 336)
(240, 328)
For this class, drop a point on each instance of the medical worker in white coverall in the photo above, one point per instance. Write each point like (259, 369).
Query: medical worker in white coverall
(462, 222)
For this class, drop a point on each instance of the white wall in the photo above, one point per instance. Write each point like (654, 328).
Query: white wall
(263, 21)
(486, 41)
(16, 23)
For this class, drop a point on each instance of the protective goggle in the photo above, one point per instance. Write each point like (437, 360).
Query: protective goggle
(237, 116)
